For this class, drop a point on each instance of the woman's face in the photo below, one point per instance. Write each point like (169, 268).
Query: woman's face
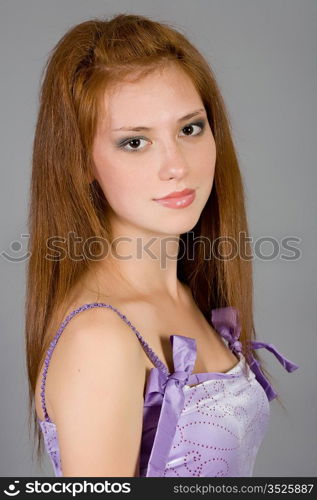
(161, 152)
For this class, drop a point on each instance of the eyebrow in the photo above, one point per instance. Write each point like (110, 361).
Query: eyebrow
(138, 128)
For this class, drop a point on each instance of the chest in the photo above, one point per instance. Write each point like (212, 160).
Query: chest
(156, 325)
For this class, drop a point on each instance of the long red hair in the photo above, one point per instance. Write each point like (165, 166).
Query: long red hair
(89, 59)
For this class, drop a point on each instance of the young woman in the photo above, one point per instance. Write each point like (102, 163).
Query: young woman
(139, 321)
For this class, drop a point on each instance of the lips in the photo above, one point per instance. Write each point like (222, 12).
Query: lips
(177, 194)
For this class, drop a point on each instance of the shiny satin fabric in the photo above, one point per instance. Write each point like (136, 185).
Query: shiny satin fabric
(218, 431)
(233, 415)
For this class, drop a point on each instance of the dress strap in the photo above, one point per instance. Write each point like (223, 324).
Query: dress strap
(150, 353)
(226, 322)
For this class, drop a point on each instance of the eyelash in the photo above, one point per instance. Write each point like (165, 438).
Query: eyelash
(125, 142)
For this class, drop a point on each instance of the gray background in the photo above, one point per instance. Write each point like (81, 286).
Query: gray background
(264, 57)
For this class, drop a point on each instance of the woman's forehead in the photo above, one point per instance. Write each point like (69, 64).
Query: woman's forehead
(151, 98)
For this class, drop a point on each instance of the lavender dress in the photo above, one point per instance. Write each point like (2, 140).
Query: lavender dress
(194, 425)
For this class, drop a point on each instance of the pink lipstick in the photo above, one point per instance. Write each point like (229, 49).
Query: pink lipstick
(178, 199)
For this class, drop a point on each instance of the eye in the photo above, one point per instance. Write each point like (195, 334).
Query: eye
(134, 142)
(200, 125)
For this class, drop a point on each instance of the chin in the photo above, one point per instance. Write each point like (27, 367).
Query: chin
(173, 227)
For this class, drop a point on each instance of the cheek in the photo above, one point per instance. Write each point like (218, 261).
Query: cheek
(206, 161)
(120, 184)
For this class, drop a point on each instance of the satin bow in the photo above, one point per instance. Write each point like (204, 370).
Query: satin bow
(166, 390)
(170, 388)
(226, 321)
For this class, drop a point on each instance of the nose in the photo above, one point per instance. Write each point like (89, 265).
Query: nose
(173, 163)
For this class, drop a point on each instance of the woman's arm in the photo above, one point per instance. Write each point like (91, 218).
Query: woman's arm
(97, 397)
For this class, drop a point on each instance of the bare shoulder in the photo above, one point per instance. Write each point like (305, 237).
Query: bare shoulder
(100, 337)
(96, 395)
(100, 325)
